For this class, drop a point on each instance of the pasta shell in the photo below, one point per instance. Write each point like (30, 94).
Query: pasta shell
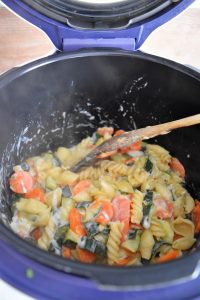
(146, 244)
(183, 243)
(184, 227)
(188, 203)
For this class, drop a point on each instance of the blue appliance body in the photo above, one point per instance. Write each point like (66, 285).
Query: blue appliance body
(45, 283)
(66, 38)
(41, 281)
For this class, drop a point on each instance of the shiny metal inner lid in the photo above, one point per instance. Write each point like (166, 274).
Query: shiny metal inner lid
(104, 2)
(99, 14)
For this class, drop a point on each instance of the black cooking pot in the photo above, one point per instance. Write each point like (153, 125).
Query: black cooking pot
(63, 98)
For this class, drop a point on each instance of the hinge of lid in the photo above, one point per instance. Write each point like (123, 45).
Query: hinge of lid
(72, 44)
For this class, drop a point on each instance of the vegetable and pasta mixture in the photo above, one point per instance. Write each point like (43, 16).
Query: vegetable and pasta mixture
(130, 208)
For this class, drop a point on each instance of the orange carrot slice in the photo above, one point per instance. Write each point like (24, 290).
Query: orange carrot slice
(121, 208)
(86, 256)
(21, 182)
(66, 252)
(36, 233)
(36, 193)
(196, 216)
(121, 212)
(171, 254)
(103, 130)
(177, 166)
(81, 186)
(164, 208)
(105, 214)
(75, 222)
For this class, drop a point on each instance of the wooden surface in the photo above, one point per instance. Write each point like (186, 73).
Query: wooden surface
(179, 40)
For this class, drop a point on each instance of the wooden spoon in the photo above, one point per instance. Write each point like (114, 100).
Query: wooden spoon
(130, 137)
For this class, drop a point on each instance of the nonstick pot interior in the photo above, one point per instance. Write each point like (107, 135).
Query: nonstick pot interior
(61, 99)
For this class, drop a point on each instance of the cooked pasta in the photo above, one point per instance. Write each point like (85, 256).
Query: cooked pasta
(137, 177)
(48, 234)
(183, 227)
(183, 243)
(159, 156)
(146, 244)
(70, 157)
(188, 203)
(137, 207)
(91, 173)
(114, 167)
(53, 198)
(129, 208)
(162, 229)
(113, 243)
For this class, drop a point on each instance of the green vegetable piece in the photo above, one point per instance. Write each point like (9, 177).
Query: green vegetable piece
(54, 248)
(98, 136)
(83, 204)
(66, 192)
(148, 198)
(92, 228)
(92, 245)
(101, 238)
(132, 234)
(105, 230)
(131, 245)
(148, 166)
(60, 234)
(29, 273)
(51, 183)
(91, 213)
(72, 236)
(156, 247)
(70, 244)
(146, 209)
(146, 212)
(25, 166)
(173, 196)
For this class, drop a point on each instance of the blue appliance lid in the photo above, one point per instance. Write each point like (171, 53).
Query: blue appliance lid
(99, 14)
(76, 24)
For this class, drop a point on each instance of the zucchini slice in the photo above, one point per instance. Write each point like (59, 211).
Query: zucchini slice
(71, 236)
(66, 192)
(92, 245)
(148, 166)
(91, 213)
(131, 245)
(92, 228)
(60, 234)
(148, 198)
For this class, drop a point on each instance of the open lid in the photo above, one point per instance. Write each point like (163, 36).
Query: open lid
(97, 23)
(99, 13)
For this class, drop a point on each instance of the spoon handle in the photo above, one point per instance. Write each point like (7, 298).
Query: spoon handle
(152, 131)
(130, 137)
